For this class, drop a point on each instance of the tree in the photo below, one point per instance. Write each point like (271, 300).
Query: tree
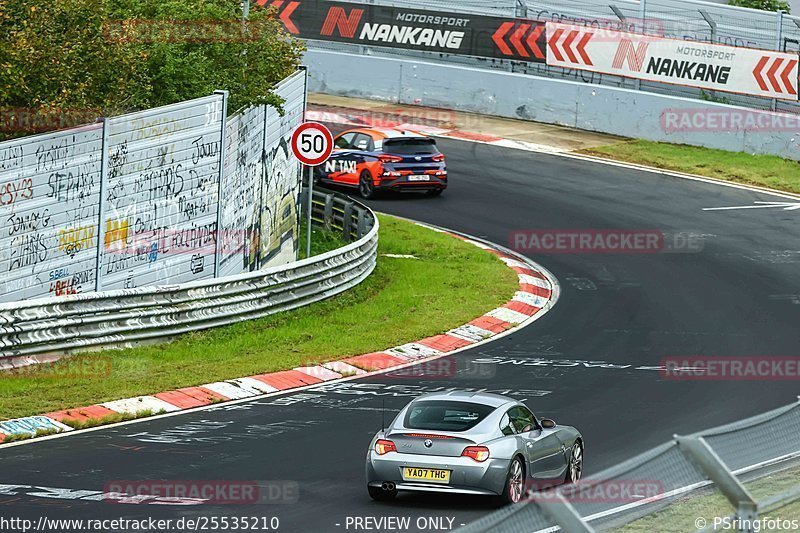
(118, 56)
(765, 5)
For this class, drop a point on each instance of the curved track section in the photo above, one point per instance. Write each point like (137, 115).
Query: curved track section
(589, 362)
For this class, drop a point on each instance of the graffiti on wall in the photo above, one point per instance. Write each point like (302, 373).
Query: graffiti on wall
(166, 175)
(161, 195)
(49, 191)
(241, 192)
(280, 209)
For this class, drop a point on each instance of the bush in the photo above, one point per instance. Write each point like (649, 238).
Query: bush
(765, 5)
(112, 55)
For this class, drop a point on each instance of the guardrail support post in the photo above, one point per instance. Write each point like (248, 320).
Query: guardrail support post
(347, 222)
(362, 224)
(560, 511)
(704, 457)
(327, 217)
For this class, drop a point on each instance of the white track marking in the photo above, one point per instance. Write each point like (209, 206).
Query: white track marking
(786, 206)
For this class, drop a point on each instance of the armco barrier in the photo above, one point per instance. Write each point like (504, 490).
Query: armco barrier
(590, 107)
(720, 460)
(126, 317)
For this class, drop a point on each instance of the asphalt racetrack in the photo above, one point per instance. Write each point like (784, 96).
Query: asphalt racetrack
(735, 295)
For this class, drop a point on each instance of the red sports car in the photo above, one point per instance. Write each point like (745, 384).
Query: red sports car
(378, 159)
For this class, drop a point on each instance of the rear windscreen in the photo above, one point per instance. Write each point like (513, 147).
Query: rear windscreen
(440, 415)
(410, 146)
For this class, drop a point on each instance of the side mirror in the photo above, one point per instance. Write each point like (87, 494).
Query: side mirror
(547, 423)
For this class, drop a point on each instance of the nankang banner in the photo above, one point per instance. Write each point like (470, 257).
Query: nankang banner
(693, 64)
(413, 29)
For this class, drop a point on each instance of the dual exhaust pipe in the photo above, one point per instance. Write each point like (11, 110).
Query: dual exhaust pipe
(388, 486)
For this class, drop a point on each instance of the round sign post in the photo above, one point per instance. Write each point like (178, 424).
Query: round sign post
(312, 144)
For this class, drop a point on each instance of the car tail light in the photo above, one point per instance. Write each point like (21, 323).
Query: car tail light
(384, 446)
(386, 158)
(438, 158)
(476, 453)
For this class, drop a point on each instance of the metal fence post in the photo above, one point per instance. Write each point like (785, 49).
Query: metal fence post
(642, 14)
(221, 175)
(704, 457)
(713, 25)
(305, 168)
(778, 45)
(101, 210)
(523, 8)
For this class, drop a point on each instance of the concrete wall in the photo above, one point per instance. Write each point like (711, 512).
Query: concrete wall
(590, 107)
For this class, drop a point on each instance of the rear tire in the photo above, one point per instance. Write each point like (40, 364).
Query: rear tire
(380, 495)
(435, 192)
(514, 489)
(366, 187)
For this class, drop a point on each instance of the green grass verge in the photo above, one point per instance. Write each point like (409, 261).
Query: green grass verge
(321, 240)
(764, 170)
(450, 283)
(682, 514)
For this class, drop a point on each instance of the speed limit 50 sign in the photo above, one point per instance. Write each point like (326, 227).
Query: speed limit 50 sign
(312, 143)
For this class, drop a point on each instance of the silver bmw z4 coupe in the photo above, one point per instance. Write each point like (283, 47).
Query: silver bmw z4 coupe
(471, 443)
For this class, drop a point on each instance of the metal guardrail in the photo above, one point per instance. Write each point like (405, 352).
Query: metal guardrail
(126, 317)
(722, 460)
